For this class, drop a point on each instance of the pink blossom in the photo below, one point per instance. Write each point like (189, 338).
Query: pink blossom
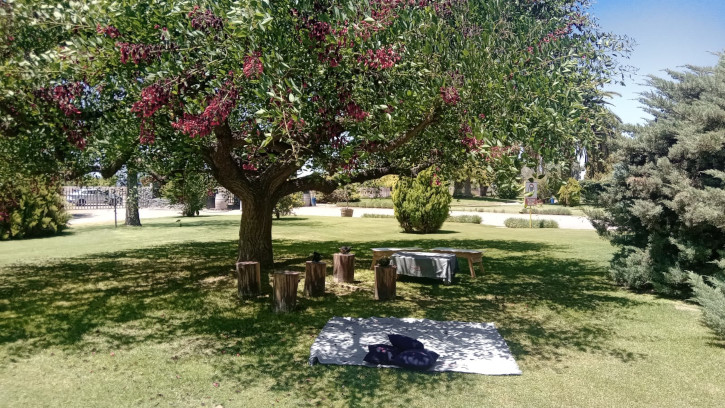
(450, 95)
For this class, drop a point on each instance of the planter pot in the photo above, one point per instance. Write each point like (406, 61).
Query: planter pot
(346, 212)
(220, 202)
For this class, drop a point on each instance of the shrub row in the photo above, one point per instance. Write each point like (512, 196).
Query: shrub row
(547, 211)
(377, 216)
(524, 223)
(368, 204)
(468, 219)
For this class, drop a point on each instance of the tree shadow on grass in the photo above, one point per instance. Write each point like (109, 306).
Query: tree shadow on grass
(184, 295)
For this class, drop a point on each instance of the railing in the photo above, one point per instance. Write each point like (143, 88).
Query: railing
(93, 197)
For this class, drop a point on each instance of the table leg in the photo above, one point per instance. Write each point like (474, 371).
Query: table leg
(470, 266)
(482, 270)
(372, 265)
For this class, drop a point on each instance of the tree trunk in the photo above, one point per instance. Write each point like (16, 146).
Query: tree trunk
(315, 273)
(385, 278)
(255, 231)
(343, 267)
(249, 283)
(467, 187)
(457, 188)
(132, 217)
(482, 190)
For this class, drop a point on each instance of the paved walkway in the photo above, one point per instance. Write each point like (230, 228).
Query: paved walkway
(495, 219)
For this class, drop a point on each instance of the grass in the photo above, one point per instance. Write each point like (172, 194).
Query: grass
(148, 317)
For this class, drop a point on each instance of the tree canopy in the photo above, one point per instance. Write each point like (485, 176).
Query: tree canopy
(258, 89)
(664, 209)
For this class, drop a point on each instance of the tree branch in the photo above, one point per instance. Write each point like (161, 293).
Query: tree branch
(318, 183)
(432, 117)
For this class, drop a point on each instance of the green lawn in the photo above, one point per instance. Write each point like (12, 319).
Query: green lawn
(148, 317)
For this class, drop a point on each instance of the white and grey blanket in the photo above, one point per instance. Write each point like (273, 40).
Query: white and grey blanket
(465, 347)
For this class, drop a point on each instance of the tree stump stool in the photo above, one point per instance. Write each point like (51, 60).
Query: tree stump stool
(343, 269)
(249, 282)
(285, 291)
(315, 273)
(385, 278)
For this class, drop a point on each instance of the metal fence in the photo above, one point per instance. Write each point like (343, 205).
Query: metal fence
(94, 197)
(80, 198)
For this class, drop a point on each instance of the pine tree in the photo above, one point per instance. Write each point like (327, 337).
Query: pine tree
(665, 210)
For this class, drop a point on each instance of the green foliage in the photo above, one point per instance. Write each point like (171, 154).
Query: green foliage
(421, 204)
(377, 216)
(712, 299)
(300, 83)
(632, 267)
(548, 211)
(664, 204)
(384, 261)
(368, 203)
(341, 196)
(592, 190)
(287, 203)
(507, 181)
(190, 190)
(466, 219)
(524, 223)
(570, 193)
(30, 207)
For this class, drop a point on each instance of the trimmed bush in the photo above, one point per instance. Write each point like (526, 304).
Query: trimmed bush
(468, 219)
(341, 195)
(377, 216)
(30, 207)
(421, 204)
(286, 204)
(547, 211)
(190, 190)
(524, 223)
(570, 193)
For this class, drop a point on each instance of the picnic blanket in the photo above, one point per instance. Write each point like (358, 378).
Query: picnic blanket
(465, 347)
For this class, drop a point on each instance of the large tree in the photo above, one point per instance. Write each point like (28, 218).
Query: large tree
(349, 91)
(664, 209)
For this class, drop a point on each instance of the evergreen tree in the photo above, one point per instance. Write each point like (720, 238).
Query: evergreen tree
(665, 207)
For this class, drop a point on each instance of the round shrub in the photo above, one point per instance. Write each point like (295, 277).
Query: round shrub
(421, 204)
(30, 207)
(570, 193)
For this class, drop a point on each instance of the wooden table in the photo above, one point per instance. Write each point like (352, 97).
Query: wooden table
(386, 252)
(471, 255)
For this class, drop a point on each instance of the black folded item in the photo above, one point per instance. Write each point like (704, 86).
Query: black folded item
(381, 354)
(404, 342)
(418, 359)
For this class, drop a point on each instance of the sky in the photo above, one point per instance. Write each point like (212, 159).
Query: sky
(669, 34)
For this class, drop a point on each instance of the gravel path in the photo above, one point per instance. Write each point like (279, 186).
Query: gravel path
(496, 219)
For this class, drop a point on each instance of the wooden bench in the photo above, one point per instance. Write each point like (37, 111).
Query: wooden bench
(386, 252)
(471, 255)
